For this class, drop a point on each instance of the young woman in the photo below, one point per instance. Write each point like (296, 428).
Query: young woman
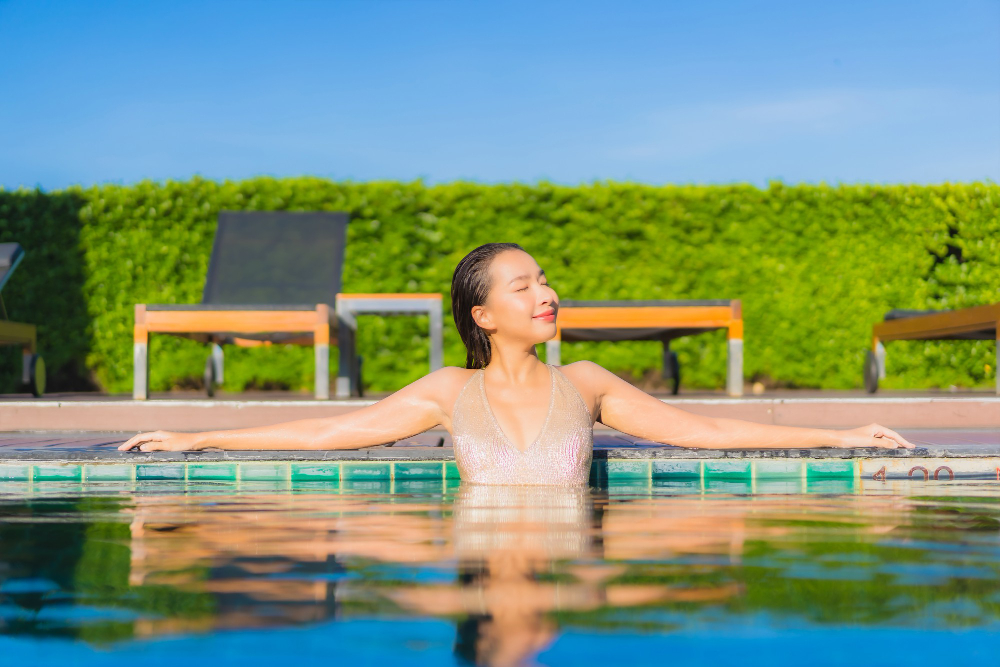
(514, 419)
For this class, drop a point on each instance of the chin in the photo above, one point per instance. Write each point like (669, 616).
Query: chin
(546, 331)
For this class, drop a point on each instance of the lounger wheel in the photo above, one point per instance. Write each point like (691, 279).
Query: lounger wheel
(871, 372)
(36, 375)
(673, 372)
(210, 378)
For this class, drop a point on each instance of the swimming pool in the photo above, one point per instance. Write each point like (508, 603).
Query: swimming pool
(435, 572)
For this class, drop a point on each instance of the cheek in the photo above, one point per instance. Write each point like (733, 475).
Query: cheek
(516, 305)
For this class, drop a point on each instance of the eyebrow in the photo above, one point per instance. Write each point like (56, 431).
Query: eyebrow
(526, 277)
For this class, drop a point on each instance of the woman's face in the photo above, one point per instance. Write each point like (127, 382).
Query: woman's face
(521, 305)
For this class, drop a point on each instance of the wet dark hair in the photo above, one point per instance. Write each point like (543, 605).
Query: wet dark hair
(470, 285)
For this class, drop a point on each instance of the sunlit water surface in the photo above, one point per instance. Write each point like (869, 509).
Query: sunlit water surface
(678, 574)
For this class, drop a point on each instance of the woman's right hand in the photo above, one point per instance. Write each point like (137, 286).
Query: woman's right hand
(160, 441)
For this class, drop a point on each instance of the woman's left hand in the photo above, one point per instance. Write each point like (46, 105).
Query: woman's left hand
(160, 441)
(873, 435)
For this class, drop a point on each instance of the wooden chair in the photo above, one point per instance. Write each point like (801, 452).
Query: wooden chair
(274, 277)
(17, 333)
(653, 320)
(977, 323)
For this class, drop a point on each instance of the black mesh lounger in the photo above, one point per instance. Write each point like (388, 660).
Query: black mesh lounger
(273, 277)
(17, 333)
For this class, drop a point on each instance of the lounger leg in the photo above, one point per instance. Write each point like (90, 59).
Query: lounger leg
(322, 372)
(26, 355)
(218, 360)
(880, 358)
(553, 351)
(140, 355)
(734, 376)
(321, 343)
(347, 354)
(140, 372)
(437, 339)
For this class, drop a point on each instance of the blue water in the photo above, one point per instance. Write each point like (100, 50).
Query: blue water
(167, 574)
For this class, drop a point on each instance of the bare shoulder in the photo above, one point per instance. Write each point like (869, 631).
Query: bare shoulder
(448, 378)
(441, 386)
(590, 381)
(586, 373)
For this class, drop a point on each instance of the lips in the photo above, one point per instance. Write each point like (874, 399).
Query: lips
(547, 316)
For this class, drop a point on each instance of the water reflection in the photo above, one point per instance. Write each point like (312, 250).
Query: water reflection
(512, 568)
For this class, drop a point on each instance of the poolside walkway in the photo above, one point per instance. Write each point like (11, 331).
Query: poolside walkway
(834, 410)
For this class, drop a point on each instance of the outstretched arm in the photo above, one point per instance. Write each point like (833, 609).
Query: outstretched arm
(411, 410)
(630, 410)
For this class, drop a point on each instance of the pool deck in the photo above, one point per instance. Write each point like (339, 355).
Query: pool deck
(75, 438)
(82, 412)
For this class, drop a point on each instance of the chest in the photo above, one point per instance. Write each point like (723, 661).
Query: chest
(520, 414)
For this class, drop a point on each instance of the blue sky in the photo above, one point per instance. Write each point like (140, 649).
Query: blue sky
(655, 92)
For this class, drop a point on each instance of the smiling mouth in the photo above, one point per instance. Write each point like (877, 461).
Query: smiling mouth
(544, 316)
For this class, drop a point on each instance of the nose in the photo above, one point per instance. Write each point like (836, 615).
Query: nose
(548, 296)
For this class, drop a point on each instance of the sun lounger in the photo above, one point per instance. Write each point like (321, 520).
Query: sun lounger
(17, 333)
(653, 320)
(978, 323)
(275, 277)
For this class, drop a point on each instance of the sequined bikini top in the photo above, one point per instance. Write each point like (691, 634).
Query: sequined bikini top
(561, 453)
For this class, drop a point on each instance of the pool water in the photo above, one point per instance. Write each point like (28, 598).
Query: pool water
(213, 573)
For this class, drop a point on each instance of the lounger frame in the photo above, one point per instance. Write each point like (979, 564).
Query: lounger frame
(679, 317)
(318, 325)
(25, 335)
(976, 322)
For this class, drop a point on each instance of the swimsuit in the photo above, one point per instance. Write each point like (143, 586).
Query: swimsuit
(561, 453)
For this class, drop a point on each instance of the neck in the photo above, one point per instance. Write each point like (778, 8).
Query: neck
(515, 363)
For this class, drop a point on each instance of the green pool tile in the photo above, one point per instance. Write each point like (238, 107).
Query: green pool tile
(779, 486)
(451, 470)
(69, 472)
(211, 471)
(628, 488)
(15, 472)
(264, 472)
(154, 471)
(110, 472)
(826, 468)
(779, 469)
(367, 471)
(367, 485)
(678, 484)
(598, 473)
(734, 486)
(315, 472)
(417, 470)
(831, 485)
(727, 469)
(676, 469)
(419, 485)
(627, 470)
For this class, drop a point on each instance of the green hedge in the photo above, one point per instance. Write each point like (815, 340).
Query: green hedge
(815, 266)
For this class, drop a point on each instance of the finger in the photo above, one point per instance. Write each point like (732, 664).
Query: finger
(884, 443)
(903, 442)
(132, 442)
(138, 440)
